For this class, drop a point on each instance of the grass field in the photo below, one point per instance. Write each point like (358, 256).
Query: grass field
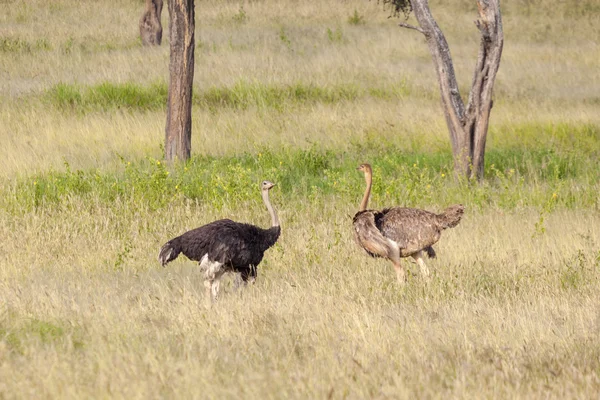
(299, 93)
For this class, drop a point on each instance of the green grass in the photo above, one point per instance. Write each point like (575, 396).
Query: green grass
(242, 95)
(16, 45)
(107, 96)
(356, 18)
(22, 334)
(515, 177)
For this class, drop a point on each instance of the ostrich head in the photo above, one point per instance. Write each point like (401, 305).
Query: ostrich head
(266, 185)
(366, 168)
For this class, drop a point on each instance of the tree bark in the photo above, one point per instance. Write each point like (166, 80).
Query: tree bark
(178, 131)
(488, 61)
(150, 26)
(468, 125)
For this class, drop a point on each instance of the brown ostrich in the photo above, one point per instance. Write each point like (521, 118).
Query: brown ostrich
(399, 232)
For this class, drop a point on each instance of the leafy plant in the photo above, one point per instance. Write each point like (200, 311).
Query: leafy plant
(241, 16)
(285, 38)
(335, 36)
(574, 275)
(539, 228)
(356, 18)
(18, 45)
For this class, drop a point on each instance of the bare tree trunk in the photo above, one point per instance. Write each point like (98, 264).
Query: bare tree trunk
(150, 26)
(468, 125)
(488, 61)
(178, 131)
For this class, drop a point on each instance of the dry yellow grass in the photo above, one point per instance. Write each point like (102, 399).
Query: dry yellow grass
(86, 311)
(504, 316)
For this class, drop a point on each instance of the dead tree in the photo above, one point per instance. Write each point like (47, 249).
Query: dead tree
(150, 26)
(178, 130)
(468, 125)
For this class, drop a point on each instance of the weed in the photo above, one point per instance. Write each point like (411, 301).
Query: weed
(575, 275)
(68, 46)
(122, 256)
(20, 334)
(241, 16)
(285, 38)
(356, 18)
(335, 36)
(12, 340)
(65, 96)
(12, 45)
(539, 228)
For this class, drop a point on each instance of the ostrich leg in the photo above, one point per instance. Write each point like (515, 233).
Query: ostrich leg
(400, 274)
(208, 292)
(419, 259)
(214, 270)
(215, 288)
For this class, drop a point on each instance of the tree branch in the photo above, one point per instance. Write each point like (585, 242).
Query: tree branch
(409, 26)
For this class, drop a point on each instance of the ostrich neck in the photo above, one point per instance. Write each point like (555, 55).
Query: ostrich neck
(365, 200)
(274, 219)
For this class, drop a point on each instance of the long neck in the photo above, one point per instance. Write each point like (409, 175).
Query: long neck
(274, 219)
(365, 200)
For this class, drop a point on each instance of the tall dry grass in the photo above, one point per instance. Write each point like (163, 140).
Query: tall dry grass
(89, 313)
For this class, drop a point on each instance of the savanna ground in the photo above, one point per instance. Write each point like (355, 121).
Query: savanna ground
(299, 93)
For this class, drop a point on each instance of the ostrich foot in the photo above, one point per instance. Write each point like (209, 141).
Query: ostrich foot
(400, 274)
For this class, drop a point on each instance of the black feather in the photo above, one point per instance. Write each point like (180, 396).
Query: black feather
(240, 247)
(169, 251)
(430, 252)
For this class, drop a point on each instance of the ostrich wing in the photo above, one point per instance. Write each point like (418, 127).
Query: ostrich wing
(411, 228)
(368, 235)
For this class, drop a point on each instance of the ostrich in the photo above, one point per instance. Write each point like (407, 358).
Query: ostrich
(225, 246)
(399, 232)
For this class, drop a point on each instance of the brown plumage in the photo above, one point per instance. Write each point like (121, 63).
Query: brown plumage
(399, 232)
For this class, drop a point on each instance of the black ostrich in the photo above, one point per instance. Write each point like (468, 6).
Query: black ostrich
(225, 246)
